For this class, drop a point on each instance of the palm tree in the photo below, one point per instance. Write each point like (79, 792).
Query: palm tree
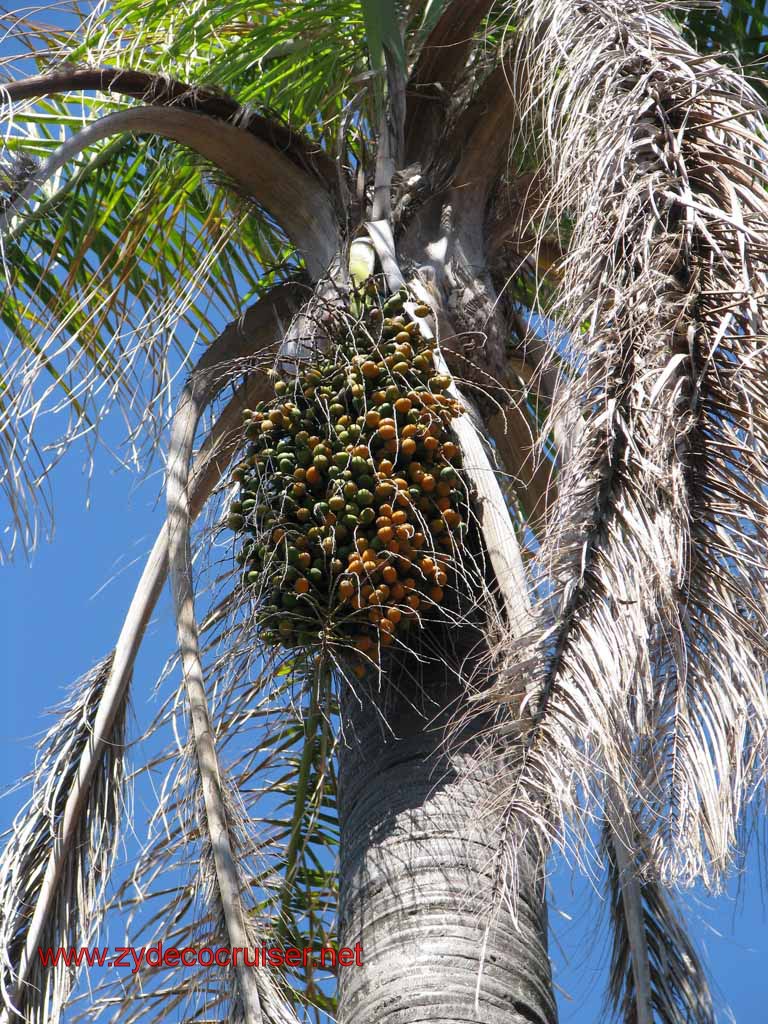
(574, 199)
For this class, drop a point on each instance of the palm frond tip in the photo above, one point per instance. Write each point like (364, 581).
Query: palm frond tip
(31, 851)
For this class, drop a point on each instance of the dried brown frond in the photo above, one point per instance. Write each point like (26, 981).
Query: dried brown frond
(649, 658)
(82, 872)
(655, 971)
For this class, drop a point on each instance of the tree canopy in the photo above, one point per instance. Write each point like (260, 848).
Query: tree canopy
(575, 192)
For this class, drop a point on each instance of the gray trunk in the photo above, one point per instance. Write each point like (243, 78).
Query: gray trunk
(417, 874)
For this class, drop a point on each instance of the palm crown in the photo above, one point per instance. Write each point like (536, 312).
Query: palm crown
(574, 198)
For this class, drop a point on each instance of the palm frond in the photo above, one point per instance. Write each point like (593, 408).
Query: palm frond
(33, 863)
(91, 324)
(106, 268)
(248, 336)
(652, 621)
(217, 816)
(655, 971)
(276, 739)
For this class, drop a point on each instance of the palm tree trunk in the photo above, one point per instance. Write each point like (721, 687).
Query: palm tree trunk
(417, 867)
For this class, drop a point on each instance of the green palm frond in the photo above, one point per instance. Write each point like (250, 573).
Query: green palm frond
(124, 254)
(296, 61)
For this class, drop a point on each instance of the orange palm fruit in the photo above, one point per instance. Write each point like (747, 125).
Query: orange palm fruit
(384, 489)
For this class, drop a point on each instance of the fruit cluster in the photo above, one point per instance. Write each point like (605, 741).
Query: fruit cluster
(350, 491)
